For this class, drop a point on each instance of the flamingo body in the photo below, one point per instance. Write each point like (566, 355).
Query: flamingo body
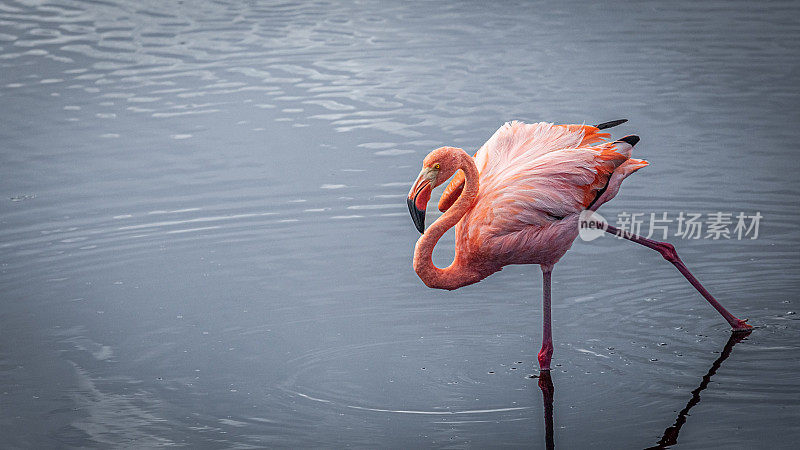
(533, 182)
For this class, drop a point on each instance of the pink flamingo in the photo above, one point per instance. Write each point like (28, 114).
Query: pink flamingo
(518, 201)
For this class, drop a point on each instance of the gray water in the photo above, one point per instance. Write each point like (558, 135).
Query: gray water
(204, 240)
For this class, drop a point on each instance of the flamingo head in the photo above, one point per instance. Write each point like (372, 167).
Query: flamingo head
(437, 167)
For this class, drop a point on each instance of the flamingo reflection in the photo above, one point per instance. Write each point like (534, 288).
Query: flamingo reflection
(670, 436)
(546, 385)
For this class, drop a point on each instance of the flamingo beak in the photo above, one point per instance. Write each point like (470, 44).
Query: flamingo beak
(418, 198)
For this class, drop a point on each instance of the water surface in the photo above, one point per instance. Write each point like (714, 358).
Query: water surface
(204, 240)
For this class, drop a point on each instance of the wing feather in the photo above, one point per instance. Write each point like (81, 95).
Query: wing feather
(540, 173)
(515, 142)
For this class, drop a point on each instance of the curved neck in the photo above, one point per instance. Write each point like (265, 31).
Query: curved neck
(455, 275)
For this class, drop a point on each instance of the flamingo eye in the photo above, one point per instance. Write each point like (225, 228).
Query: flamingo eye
(436, 166)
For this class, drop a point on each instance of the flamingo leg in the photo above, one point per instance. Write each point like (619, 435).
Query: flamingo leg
(546, 353)
(668, 252)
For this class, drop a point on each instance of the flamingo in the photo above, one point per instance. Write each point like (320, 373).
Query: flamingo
(518, 201)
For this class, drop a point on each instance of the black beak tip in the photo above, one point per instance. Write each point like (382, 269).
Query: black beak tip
(416, 215)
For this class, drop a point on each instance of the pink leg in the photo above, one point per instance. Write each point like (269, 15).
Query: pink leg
(547, 337)
(669, 253)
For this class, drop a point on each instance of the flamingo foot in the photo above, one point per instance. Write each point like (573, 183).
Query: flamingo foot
(741, 326)
(545, 355)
